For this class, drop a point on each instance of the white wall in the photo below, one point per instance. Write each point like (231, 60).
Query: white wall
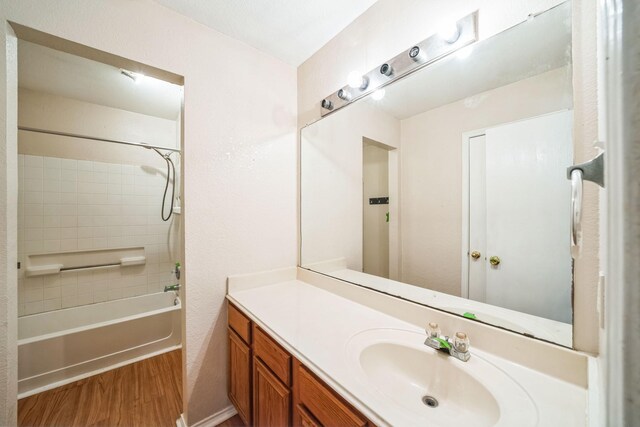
(331, 158)
(391, 26)
(56, 113)
(238, 156)
(431, 173)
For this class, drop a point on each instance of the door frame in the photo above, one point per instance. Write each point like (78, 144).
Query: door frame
(464, 252)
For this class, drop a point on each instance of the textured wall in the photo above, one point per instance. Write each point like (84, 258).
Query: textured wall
(239, 157)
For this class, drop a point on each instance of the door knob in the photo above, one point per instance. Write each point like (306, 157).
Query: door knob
(494, 260)
(475, 254)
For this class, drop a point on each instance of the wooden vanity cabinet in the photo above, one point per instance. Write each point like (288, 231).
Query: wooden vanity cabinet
(271, 398)
(270, 388)
(317, 404)
(239, 379)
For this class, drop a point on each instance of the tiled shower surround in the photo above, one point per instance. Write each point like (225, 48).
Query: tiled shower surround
(69, 205)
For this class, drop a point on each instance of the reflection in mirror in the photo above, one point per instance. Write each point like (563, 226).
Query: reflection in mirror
(453, 180)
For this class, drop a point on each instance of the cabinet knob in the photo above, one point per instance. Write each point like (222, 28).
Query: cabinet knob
(494, 260)
(475, 254)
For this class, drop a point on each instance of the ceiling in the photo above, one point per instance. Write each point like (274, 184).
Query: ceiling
(526, 50)
(291, 30)
(51, 71)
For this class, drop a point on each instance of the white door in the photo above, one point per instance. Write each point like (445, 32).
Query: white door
(521, 216)
(477, 219)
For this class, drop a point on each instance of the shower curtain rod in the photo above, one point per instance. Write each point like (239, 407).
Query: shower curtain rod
(73, 135)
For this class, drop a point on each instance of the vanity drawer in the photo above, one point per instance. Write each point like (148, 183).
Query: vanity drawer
(328, 408)
(239, 323)
(273, 356)
(306, 419)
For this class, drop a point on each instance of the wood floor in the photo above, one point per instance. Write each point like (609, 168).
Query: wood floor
(234, 421)
(144, 394)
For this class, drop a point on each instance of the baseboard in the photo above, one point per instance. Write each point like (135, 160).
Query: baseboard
(211, 421)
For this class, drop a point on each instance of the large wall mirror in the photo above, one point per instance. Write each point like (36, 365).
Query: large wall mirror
(449, 187)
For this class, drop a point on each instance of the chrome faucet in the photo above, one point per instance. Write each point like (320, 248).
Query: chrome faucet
(458, 346)
(175, 287)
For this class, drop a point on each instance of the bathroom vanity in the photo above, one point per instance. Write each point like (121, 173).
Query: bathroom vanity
(307, 349)
(434, 207)
(270, 387)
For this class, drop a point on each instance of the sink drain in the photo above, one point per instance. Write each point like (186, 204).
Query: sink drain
(430, 401)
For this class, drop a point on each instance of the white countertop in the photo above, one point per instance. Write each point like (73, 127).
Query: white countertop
(315, 325)
(535, 326)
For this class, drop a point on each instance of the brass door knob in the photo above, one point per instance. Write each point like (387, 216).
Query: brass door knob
(475, 254)
(494, 260)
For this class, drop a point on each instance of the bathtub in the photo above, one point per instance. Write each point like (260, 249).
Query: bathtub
(63, 346)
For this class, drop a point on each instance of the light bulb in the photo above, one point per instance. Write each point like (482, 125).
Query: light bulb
(356, 80)
(449, 33)
(378, 95)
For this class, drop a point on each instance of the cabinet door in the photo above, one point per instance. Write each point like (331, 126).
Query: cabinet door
(271, 399)
(306, 419)
(240, 376)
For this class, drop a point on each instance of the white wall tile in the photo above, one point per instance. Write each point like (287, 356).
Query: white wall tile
(32, 196)
(52, 304)
(68, 164)
(67, 205)
(33, 161)
(69, 221)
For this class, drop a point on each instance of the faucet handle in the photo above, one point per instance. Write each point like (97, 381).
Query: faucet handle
(433, 330)
(461, 342)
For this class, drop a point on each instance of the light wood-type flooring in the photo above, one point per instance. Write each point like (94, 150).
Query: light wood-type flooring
(234, 421)
(144, 394)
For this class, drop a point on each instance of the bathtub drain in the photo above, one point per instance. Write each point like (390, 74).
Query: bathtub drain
(430, 401)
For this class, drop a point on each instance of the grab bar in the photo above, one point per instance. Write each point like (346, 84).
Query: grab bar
(43, 270)
(86, 267)
(593, 171)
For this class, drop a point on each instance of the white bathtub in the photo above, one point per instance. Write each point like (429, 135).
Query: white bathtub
(62, 346)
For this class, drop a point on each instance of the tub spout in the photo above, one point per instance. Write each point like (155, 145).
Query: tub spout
(175, 287)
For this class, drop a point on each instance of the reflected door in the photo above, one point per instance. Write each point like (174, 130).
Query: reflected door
(519, 216)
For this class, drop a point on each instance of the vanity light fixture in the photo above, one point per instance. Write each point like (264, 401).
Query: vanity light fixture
(450, 33)
(327, 105)
(451, 39)
(344, 94)
(416, 53)
(357, 80)
(386, 70)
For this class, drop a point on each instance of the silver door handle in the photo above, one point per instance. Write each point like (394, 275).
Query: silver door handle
(593, 171)
(576, 212)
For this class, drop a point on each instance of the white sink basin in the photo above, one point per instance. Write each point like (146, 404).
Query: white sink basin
(401, 371)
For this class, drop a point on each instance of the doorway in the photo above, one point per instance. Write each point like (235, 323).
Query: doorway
(375, 208)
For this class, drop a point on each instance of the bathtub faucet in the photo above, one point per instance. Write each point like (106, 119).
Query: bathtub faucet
(175, 288)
